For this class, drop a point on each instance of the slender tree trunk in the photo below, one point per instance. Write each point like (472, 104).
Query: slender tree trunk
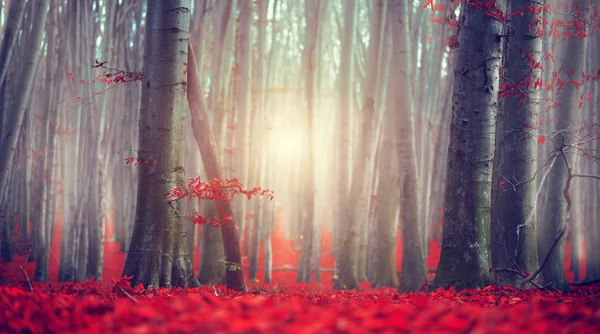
(309, 242)
(205, 139)
(572, 57)
(384, 253)
(347, 254)
(23, 91)
(413, 262)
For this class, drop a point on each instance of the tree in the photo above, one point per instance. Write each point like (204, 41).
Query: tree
(205, 139)
(158, 254)
(310, 242)
(347, 254)
(413, 263)
(464, 260)
(571, 60)
(513, 228)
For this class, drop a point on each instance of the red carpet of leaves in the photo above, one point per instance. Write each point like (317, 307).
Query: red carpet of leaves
(112, 306)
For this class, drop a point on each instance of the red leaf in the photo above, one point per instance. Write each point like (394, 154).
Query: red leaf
(502, 184)
(541, 139)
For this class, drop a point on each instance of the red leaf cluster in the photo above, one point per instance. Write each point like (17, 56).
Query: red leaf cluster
(215, 190)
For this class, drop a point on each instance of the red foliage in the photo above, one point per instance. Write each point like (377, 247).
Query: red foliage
(88, 307)
(215, 190)
(113, 306)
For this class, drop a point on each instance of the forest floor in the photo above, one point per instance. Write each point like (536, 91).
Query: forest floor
(112, 306)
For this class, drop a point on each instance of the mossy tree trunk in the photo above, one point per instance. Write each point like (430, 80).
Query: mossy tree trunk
(465, 257)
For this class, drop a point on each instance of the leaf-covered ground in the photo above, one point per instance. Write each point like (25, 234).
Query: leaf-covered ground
(98, 308)
(283, 306)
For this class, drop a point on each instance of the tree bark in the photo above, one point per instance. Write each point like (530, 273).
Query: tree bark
(158, 254)
(413, 262)
(571, 57)
(347, 252)
(465, 258)
(234, 277)
(513, 228)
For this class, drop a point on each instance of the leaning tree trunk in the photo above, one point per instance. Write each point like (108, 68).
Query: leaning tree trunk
(513, 227)
(414, 272)
(23, 90)
(205, 139)
(464, 260)
(158, 254)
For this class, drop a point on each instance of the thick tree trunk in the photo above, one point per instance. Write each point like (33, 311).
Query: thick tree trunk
(465, 258)
(158, 254)
(513, 228)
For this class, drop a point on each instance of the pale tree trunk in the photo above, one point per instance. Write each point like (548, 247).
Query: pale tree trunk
(309, 241)
(23, 91)
(347, 251)
(243, 92)
(359, 197)
(513, 227)
(234, 277)
(413, 261)
(571, 57)
(98, 220)
(158, 254)
(592, 227)
(465, 258)
(11, 32)
(385, 227)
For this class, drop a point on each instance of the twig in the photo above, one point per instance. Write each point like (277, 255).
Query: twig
(25, 272)
(557, 238)
(128, 295)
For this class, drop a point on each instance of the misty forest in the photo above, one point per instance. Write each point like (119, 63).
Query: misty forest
(323, 166)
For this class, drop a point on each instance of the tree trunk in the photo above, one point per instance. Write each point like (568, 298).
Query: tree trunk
(513, 228)
(212, 264)
(309, 241)
(205, 139)
(465, 258)
(572, 57)
(384, 248)
(347, 253)
(413, 262)
(23, 91)
(158, 254)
